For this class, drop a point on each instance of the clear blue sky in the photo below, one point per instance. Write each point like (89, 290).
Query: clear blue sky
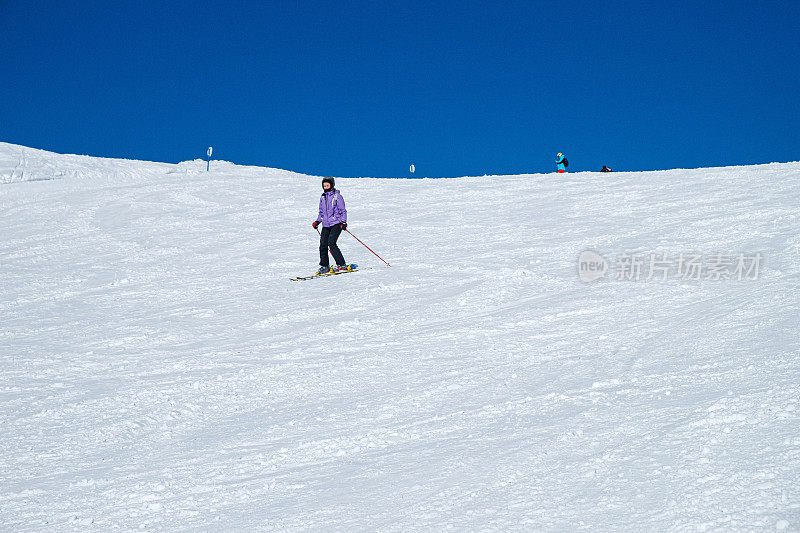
(365, 88)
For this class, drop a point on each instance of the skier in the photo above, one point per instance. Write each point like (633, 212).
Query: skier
(606, 169)
(561, 163)
(333, 217)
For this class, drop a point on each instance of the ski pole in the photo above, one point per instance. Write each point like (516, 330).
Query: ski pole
(329, 248)
(368, 248)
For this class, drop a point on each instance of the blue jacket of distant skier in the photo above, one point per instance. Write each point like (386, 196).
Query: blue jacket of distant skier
(560, 162)
(331, 209)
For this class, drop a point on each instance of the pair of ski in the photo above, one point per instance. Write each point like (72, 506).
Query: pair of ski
(350, 268)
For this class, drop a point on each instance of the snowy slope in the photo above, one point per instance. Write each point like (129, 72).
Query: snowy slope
(159, 369)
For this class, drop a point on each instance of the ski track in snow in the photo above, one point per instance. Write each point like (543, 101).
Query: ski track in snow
(161, 371)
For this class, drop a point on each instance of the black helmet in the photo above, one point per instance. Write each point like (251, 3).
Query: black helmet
(328, 180)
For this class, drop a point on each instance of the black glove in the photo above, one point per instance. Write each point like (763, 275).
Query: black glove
(343, 225)
(315, 224)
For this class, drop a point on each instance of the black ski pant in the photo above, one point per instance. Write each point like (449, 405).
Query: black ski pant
(327, 239)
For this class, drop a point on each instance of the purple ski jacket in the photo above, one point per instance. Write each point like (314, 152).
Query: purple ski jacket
(331, 209)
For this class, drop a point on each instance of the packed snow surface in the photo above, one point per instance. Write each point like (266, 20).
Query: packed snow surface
(161, 371)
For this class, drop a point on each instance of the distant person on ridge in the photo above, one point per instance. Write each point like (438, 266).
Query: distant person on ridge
(561, 163)
(333, 217)
(606, 169)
